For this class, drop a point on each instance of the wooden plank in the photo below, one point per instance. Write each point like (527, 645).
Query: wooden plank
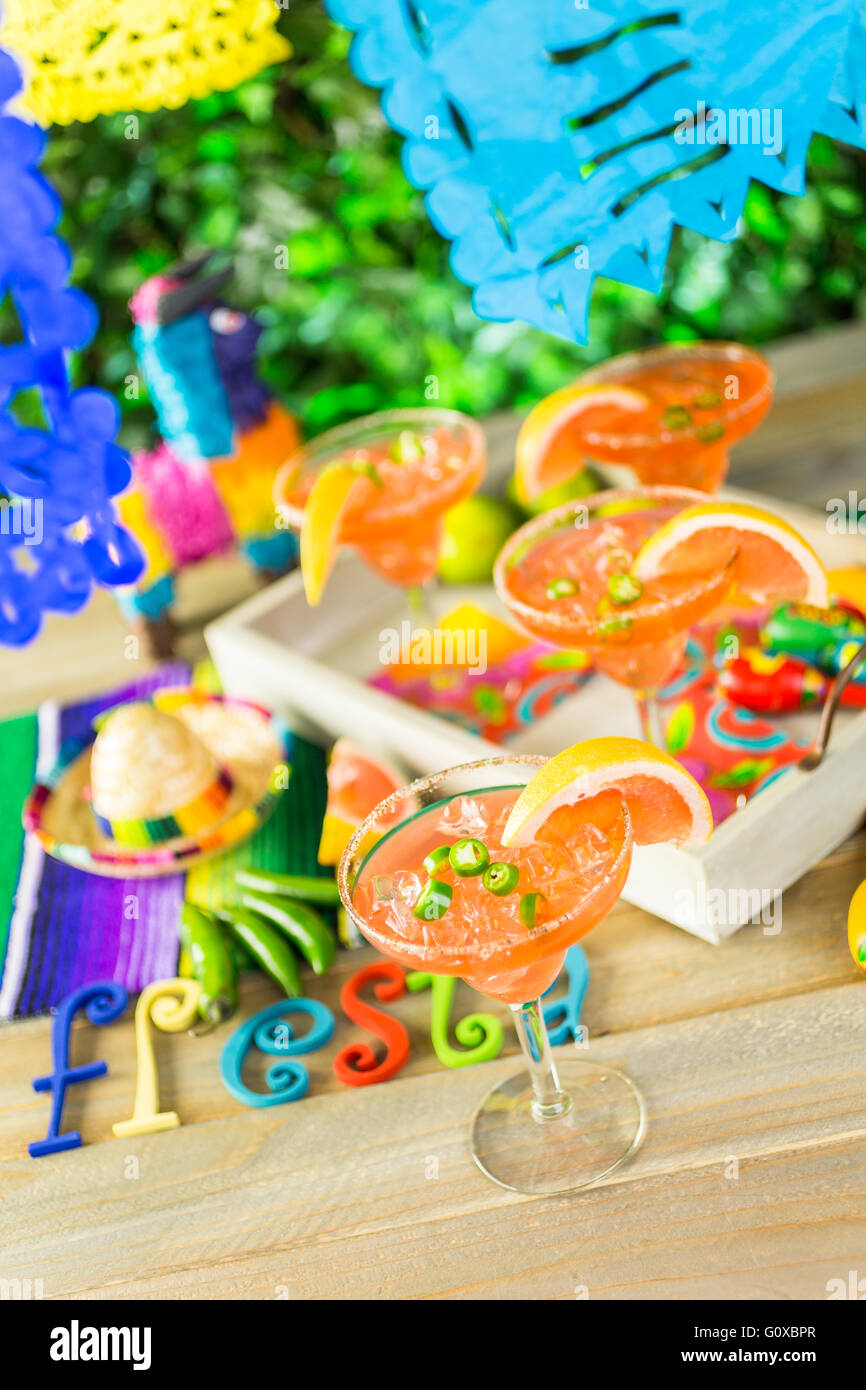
(811, 447)
(643, 972)
(76, 657)
(347, 1196)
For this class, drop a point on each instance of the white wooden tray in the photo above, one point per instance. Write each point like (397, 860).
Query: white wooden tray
(312, 667)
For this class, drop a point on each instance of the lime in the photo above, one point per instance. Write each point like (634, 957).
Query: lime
(473, 535)
(583, 483)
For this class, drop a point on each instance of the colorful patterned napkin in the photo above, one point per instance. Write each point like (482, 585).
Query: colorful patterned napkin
(503, 700)
(732, 752)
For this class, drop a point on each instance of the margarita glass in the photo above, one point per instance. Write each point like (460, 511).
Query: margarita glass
(381, 484)
(566, 578)
(503, 919)
(701, 399)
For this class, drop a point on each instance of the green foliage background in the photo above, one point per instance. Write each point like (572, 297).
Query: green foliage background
(301, 157)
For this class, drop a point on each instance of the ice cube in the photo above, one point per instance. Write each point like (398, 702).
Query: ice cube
(463, 816)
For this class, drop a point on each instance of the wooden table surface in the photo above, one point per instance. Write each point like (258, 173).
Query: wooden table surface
(751, 1056)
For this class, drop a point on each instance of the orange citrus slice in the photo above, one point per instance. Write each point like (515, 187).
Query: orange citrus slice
(330, 497)
(548, 451)
(664, 801)
(771, 561)
(357, 782)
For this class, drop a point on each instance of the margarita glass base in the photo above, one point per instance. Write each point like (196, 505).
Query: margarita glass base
(599, 1125)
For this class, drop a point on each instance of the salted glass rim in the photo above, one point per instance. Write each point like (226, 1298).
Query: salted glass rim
(554, 520)
(336, 440)
(416, 788)
(605, 373)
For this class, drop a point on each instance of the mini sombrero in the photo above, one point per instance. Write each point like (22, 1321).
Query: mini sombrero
(161, 784)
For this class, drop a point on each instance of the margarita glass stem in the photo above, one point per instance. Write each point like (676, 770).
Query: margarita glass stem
(420, 605)
(550, 1102)
(651, 720)
(418, 599)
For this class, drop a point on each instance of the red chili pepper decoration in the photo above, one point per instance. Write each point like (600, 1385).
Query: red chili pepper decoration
(776, 684)
(357, 1064)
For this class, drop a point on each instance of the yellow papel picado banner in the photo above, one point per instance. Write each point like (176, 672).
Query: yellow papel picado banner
(87, 58)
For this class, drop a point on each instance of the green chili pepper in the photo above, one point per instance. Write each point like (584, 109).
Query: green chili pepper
(240, 955)
(708, 434)
(369, 470)
(301, 924)
(433, 901)
(363, 467)
(436, 858)
(407, 447)
(562, 588)
(613, 628)
(268, 948)
(676, 417)
(205, 942)
(624, 588)
(528, 908)
(501, 879)
(468, 858)
(321, 891)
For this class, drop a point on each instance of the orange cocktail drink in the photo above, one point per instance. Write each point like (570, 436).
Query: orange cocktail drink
(567, 578)
(668, 415)
(504, 929)
(701, 398)
(624, 575)
(491, 872)
(380, 484)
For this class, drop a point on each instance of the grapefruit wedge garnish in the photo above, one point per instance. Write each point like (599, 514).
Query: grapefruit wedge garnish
(357, 782)
(330, 497)
(664, 801)
(548, 450)
(770, 562)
